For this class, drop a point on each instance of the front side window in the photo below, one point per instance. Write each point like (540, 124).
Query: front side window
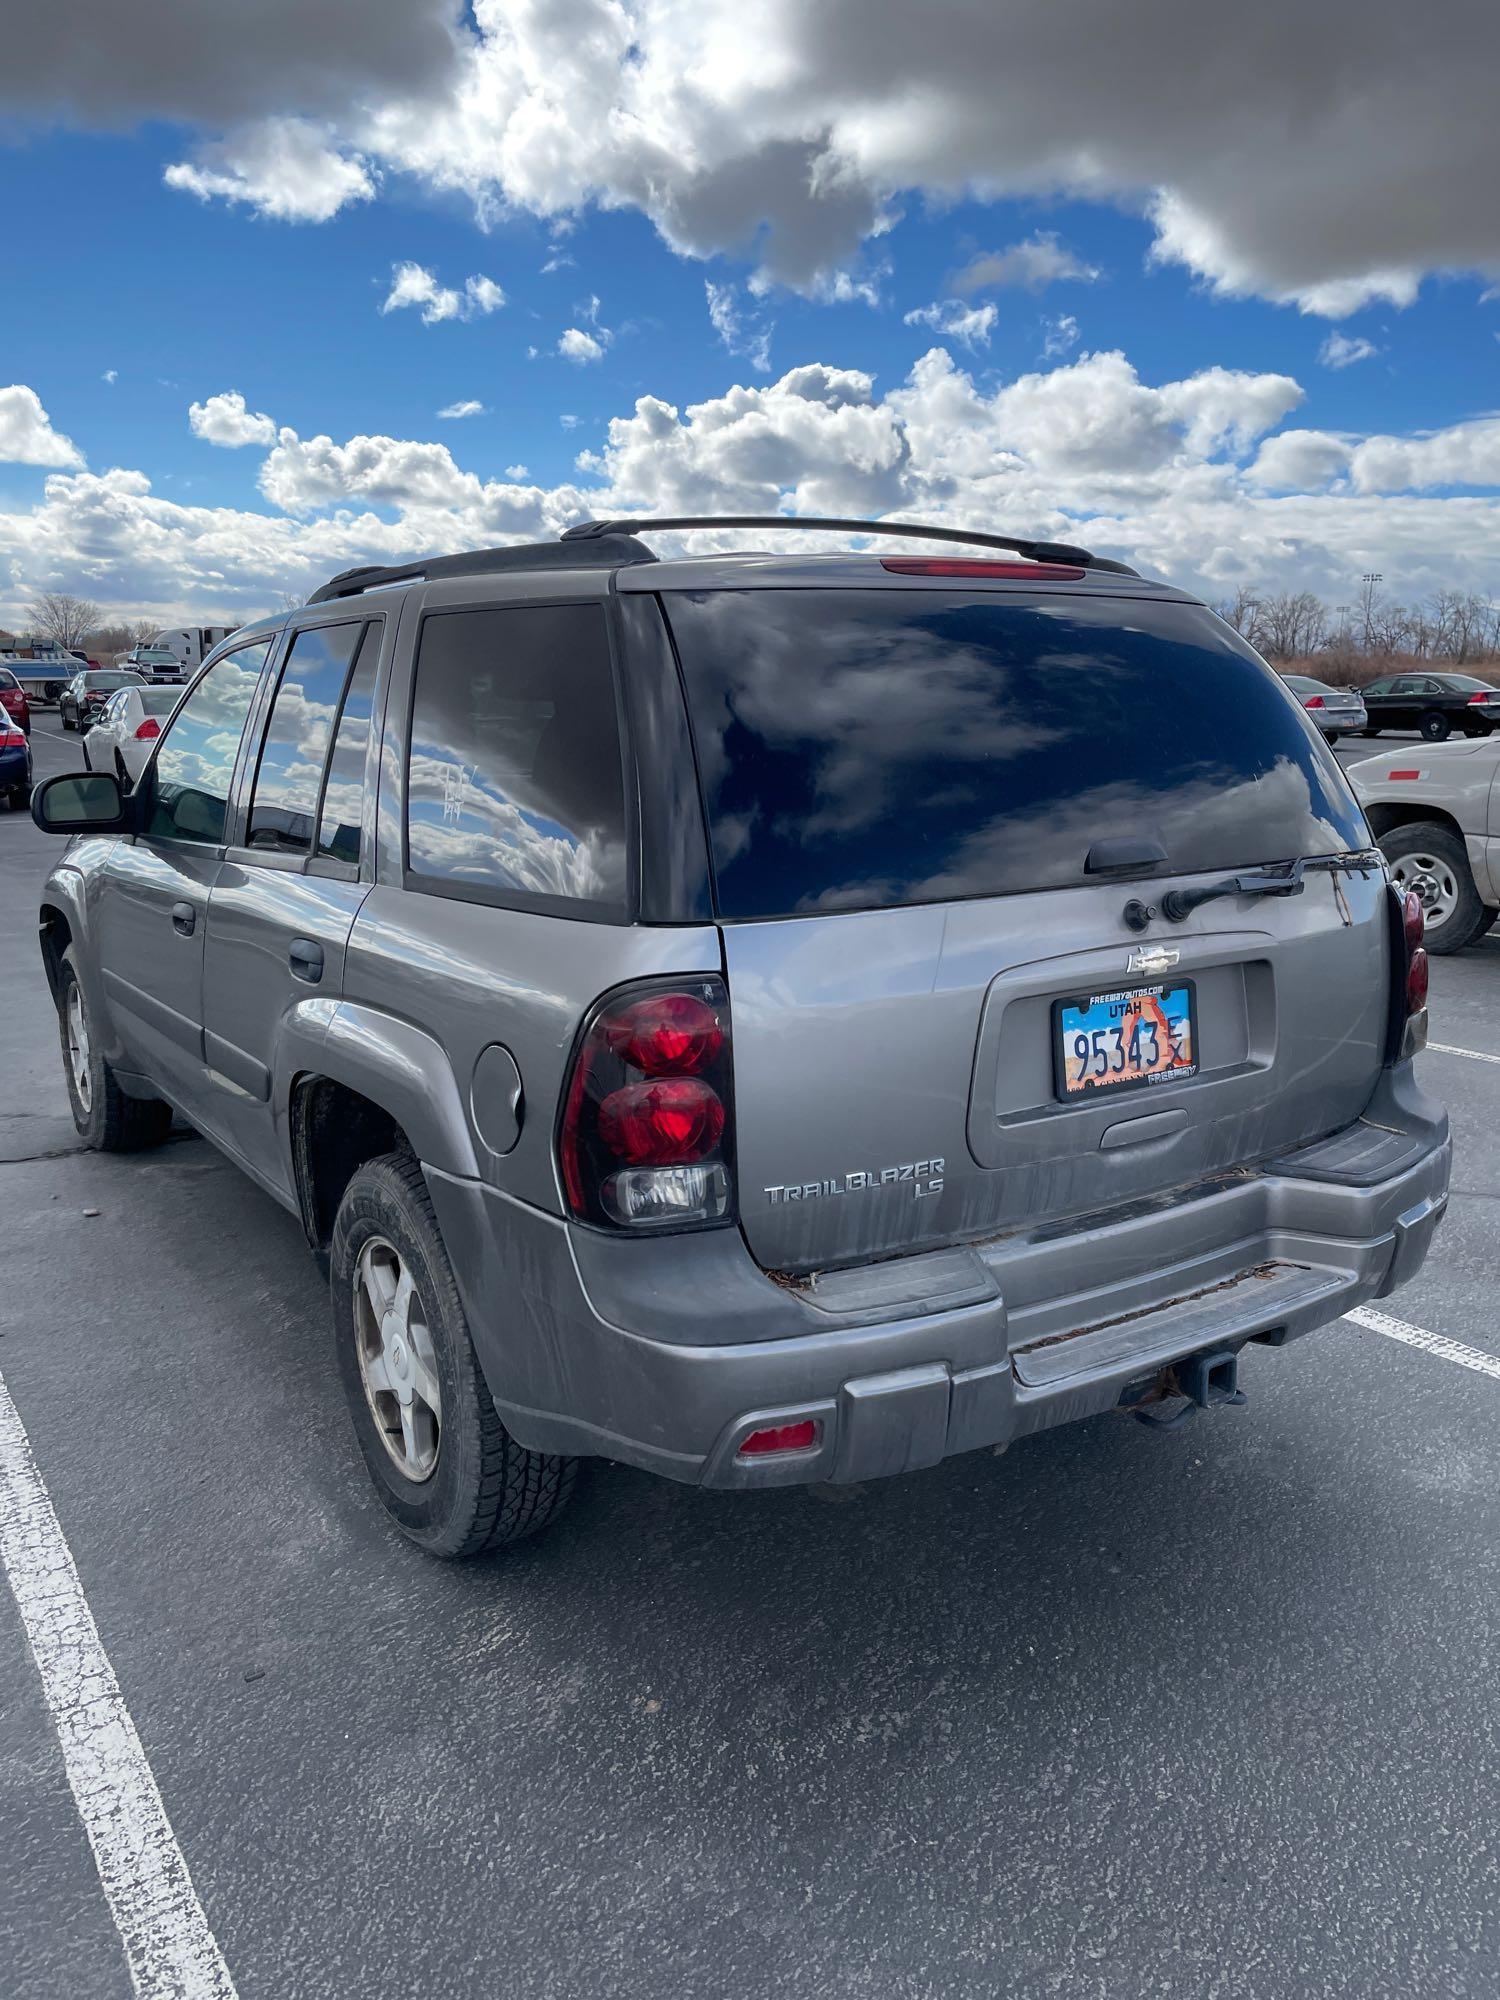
(195, 761)
(865, 748)
(284, 806)
(514, 785)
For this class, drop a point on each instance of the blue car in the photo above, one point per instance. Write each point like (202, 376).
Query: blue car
(15, 765)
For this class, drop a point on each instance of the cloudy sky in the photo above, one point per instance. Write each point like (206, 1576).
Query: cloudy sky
(319, 281)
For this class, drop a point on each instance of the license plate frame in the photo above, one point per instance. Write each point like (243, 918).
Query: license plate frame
(1092, 1090)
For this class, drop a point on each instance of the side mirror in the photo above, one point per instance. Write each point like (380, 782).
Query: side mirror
(80, 802)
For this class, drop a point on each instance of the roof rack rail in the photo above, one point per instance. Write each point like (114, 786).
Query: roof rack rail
(606, 550)
(1058, 552)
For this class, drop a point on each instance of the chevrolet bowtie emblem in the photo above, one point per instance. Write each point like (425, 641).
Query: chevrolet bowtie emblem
(1153, 958)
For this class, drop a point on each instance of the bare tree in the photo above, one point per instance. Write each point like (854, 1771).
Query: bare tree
(1291, 626)
(66, 619)
(1241, 611)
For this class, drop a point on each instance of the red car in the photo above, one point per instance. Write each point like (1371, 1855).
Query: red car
(13, 701)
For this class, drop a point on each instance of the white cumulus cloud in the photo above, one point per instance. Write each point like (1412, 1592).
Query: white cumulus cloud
(225, 420)
(26, 434)
(469, 407)
(578, 345)
(285, 167)
(1342, 350)
(1196, 478)
(972, 325)
(414, 285)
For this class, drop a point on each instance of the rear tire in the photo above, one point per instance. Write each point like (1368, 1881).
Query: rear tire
(1431, 859)
(1331, 736)
(64, 720)
(106, 1118)
(452, 1478)
(1435, 726)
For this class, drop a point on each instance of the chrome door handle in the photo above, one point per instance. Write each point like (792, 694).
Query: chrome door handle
(184, 919)
(305, 956)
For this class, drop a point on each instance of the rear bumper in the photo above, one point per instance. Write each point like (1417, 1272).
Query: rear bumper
(666, 1353)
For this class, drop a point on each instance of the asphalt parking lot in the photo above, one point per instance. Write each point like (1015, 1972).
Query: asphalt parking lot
(1206, 1713)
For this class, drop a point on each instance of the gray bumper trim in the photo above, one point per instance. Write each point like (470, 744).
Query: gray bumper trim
(1047, 1331)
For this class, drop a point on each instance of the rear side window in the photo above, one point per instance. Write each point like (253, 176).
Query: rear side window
(343, 795)
(513, 786)
(195, 759)
(284, 807)
(866, 748)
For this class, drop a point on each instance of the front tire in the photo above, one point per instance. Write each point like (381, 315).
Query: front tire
(106, 1118)
(1435, 726)
(1427, 857)
(64, 720)
(447, 1471)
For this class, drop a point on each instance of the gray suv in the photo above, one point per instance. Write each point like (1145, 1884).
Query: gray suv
(762, 1018)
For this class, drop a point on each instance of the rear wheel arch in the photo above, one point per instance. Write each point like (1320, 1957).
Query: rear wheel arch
(334, 1131)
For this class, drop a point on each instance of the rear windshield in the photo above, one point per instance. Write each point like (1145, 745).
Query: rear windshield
(112, 680)
(860, 749)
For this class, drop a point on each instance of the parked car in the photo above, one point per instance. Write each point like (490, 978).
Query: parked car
(1336, 711)
(125, 733)
(1436, 813)
(15, 764)
(83, 698)
(763, 1023)
(158, 664)
(14, 702)
(1433, 704)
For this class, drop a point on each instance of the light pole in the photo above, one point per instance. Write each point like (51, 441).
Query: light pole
(1372, 580)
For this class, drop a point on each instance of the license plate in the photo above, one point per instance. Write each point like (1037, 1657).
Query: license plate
(1128, 1040)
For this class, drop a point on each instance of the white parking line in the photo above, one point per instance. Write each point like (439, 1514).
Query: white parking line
(169, 1948)
(1430, 1343)
(1474, 1055)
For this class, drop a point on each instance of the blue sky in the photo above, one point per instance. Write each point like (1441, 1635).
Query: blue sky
(138, 299)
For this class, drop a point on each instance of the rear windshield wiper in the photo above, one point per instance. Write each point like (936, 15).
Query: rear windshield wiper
(1178, 904)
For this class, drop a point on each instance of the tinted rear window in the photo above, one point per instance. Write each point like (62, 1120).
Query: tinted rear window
(866, 748)
(514, 780)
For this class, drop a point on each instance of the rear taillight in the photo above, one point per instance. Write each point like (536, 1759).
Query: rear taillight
(1489, 694)
(149, 728)
(1315, 701)
(11, 739)
(1031, 572)
(1409, 977)
(646, 1137)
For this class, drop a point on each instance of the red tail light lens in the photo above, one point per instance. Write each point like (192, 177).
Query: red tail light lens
(670, 1123)
(11, 739)
(1492, 695)
(1032, 572)
(785, 1437)
(646, 1136)
(150, 727)
(669, 1034)
(1416, 981)
(1315, 701)
(1413, 919)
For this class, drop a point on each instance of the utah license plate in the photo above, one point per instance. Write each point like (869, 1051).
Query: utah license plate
(1122, 1041)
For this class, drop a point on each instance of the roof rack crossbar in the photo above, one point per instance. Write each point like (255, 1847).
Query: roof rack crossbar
(1034, 551)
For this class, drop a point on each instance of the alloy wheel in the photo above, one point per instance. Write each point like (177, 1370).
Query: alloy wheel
(78, 1048)
(397, 1360)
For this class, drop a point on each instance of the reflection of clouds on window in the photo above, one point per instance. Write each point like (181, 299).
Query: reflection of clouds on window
(513, 781)
(863, 747)
(296, 741)
(195, 759)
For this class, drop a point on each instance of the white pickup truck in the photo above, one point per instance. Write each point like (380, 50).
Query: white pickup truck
(1435, 809)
